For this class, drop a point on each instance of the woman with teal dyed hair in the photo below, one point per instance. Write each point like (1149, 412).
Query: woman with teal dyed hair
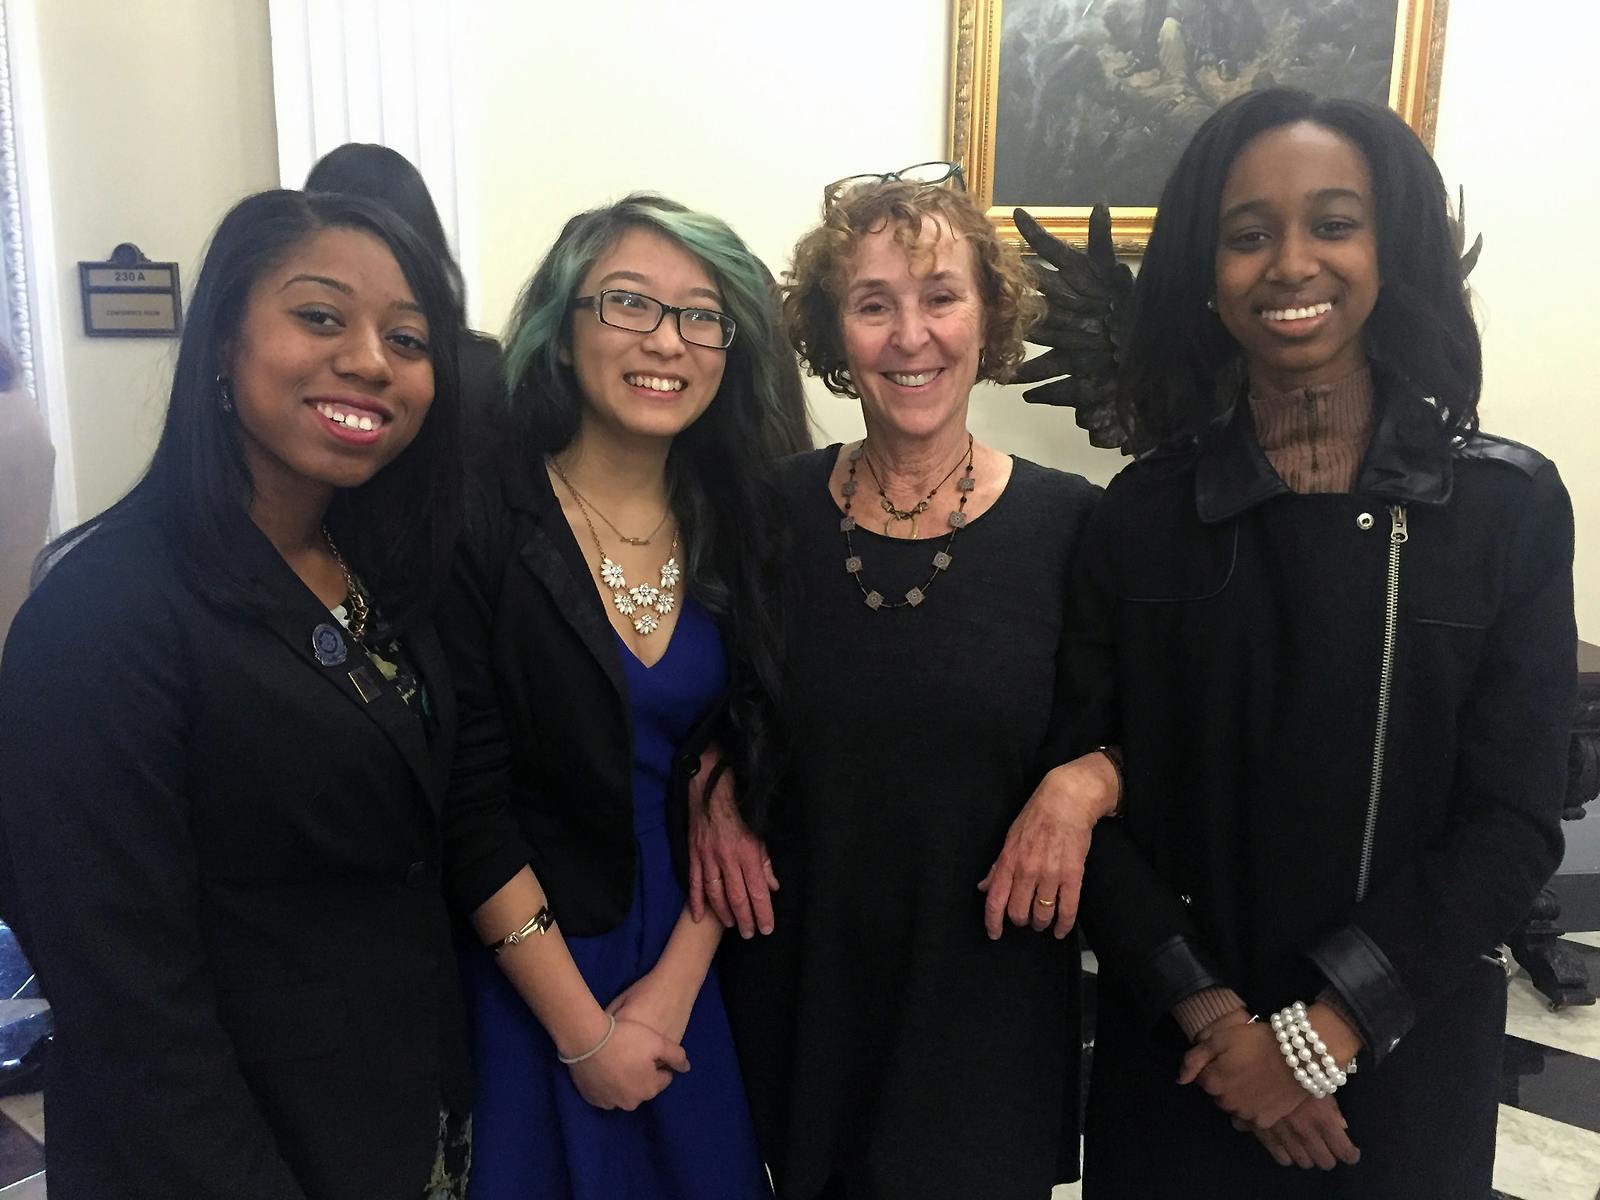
(615, 612)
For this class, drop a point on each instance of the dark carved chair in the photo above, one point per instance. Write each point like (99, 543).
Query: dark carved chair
(1536, 945)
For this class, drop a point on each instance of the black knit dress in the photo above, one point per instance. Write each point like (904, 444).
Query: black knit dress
(890, 1048)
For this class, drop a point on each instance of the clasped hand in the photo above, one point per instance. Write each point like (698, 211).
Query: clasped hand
(1239, 1065)
(645, 1051)
(635, 1065)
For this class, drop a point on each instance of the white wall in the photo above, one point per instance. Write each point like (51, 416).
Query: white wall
(1517, 127)
(578, 108)
(1518, 119)
(158, 116)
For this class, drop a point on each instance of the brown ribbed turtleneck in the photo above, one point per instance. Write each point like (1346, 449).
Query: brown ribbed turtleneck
(1314, 437)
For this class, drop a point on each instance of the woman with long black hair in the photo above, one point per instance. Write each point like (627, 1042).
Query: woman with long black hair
(617, 608)
(227, 728)
(1331, 626)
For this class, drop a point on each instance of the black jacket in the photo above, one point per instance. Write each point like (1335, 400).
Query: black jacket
(1232, 638)
(223, 863)
(544, 770)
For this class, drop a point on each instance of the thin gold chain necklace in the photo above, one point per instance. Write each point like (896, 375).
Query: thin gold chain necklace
(587, 504)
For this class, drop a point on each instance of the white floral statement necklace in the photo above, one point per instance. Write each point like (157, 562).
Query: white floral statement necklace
(644, 603)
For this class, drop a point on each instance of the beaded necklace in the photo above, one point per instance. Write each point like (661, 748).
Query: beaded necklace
(941, 558)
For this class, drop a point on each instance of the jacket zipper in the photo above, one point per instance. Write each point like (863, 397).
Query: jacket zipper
(1391, 614)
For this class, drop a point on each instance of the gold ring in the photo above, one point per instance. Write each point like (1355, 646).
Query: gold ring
(1043, 903)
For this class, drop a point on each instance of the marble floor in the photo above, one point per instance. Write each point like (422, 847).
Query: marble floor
(1549, 1142)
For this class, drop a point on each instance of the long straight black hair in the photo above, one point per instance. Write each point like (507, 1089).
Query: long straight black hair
(718, 470)
(1421, 332)
(398, 529)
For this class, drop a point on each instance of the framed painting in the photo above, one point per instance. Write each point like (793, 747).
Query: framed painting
(1057, 105)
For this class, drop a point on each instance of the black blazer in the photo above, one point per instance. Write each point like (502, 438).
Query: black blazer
(543, 772)
(223, 863)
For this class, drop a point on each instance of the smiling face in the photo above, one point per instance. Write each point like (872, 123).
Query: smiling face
(1297, 255)
(330, 370)
(652, 385)
(913, 330)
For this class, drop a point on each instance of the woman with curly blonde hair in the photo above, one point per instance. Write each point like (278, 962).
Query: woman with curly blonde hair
(896, 1044)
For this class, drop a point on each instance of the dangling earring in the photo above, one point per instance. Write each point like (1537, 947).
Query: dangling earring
(1211, 302)
(224, 394)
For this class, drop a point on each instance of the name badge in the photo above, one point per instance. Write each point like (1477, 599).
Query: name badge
(369, 682)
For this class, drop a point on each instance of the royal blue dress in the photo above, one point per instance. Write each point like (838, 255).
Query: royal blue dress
(534, 1136)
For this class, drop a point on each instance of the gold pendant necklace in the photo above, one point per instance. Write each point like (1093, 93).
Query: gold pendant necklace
(587, 504)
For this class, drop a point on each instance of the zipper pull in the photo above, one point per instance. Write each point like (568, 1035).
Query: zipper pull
(1397, 525)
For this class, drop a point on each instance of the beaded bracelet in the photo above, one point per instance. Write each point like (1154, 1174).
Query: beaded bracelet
(1306, 1054)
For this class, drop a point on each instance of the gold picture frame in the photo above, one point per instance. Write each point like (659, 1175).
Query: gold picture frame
(975, 84)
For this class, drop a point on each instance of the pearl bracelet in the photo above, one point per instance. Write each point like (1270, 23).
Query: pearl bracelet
(1306, 1054)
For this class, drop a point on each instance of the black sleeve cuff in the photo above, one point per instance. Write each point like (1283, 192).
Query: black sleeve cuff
(469, 886)
(1178, 967)
(1370, 987)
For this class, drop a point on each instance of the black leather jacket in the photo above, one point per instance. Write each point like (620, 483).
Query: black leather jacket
(1343, 717)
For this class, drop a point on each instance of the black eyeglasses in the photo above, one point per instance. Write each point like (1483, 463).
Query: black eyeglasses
(639, 313)
(928, 174)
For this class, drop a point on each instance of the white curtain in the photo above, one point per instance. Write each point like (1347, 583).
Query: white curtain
(31, 294)
(18, 324)
(384, 71)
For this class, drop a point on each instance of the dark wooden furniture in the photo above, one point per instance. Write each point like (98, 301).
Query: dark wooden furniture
(1556, 971)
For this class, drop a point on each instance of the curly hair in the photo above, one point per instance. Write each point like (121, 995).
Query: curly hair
(821, 272)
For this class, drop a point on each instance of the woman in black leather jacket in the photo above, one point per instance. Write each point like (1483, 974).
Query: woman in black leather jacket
(1331, 625)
